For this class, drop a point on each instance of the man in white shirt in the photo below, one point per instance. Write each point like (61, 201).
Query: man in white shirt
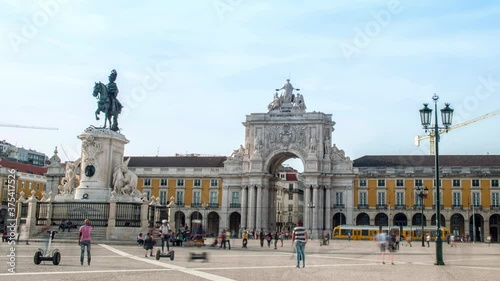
(165, 235)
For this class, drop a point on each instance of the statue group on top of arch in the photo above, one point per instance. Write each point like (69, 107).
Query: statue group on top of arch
(71, 178)
(287, 101)
(125, 182)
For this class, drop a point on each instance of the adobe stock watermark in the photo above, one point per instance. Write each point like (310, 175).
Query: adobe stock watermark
(150, 82)
(223, 6)
(484, 89)
(364, 36)
(31, 26)
(11, 221)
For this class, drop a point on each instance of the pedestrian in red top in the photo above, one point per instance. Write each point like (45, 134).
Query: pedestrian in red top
(84, 240)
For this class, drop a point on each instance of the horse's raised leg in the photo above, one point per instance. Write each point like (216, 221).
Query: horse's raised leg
(96, 114)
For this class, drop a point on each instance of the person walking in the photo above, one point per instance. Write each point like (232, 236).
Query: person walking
(245, 239)
(84, 238)
(165, 235)
(228, 239)
(148, 245)
(299, 240)
(428, 239)
(261, 238)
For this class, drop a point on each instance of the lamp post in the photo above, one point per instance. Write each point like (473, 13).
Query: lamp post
(311, 207)
(446, 117)
(422, 193)
(279, 221)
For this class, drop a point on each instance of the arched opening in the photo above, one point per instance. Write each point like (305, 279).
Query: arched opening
(400, 219)
(419, 219)
(234, 223)
(476, 227)
(338, 219)
(363, 219)
(180, 220)
(457, 224)
(442, 222)
(381, 219)
(494, 226)
(196, 223)
(213, 224)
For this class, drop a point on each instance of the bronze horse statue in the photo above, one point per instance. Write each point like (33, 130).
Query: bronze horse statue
(108, 105)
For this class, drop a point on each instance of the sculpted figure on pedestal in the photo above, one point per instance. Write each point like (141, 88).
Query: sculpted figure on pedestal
(125, 181)
(71, 179)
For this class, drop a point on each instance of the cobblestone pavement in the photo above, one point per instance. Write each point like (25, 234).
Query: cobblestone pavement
(341, 260)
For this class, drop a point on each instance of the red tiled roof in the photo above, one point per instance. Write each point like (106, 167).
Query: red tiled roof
(291, 177)
(427, 160)
(23, 168)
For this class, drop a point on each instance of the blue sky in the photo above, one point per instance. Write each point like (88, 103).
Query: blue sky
(213, 62)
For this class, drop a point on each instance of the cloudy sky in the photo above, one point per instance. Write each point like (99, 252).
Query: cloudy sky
(189, 71)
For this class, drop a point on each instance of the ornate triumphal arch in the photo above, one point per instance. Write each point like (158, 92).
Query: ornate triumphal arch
(286, 131)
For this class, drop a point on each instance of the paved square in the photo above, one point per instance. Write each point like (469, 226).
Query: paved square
(341, 260)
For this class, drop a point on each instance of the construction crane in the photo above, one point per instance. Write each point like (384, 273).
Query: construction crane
(27, 127)
(432, 138)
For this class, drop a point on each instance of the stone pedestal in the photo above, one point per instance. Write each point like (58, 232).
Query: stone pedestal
(102, 151)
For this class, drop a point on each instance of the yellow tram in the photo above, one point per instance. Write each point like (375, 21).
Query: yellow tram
(368, 232)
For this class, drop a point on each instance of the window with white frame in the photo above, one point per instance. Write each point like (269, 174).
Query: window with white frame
(163, 198)
(283, 176)
(362, 182)
(418, 182)
(290, 196)
(495, 199)
(475, 183)
(339, 198)
(440, 183)
(148, 194)
(197, 197)
(214, 183)
(418, 199)
(457, 199)
(290, 207)
(290, 187)
(163, 182)
(363, 198)
(400, 183)
(197, 183)
(494, 183)
(180, 182)
(456, 183)
(179, 197)
(37, 186)
(30, 185)
(381, 198)
(476, 199)
(400, 198)
(381, 182)
(434, 197)
(23, 185)
(290, 218)
(146, 182)
(235, 197)
(213, 197)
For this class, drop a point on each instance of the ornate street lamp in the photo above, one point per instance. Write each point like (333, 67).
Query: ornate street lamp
(422, 193)
(446, 118)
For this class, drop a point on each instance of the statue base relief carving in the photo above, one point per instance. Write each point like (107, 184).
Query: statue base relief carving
(102, 151)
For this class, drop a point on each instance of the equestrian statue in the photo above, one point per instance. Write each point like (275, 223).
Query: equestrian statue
(107, 102)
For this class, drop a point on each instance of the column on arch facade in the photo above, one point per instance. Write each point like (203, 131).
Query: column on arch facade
(307, 210)
(244, 209)
(315, 211)
(266, 196)
(258, 211)
(328, 210)
(251, 208)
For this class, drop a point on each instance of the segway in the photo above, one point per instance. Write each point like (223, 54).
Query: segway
(45, 255)
(168, 255)
(198, 256)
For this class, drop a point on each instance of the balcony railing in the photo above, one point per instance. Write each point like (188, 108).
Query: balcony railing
(456, 207)
(400, 206)
(338, 206)
(478, 207)
(362, 206)
(417, 206)
(213, 205)
(235, 205)
(434, 207)
(195, 205)
(495, 207)
(381, 206)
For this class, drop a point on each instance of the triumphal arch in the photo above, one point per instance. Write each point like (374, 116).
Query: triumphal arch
(287, 131)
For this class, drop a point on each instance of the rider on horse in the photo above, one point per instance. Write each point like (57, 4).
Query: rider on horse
(114, 104)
